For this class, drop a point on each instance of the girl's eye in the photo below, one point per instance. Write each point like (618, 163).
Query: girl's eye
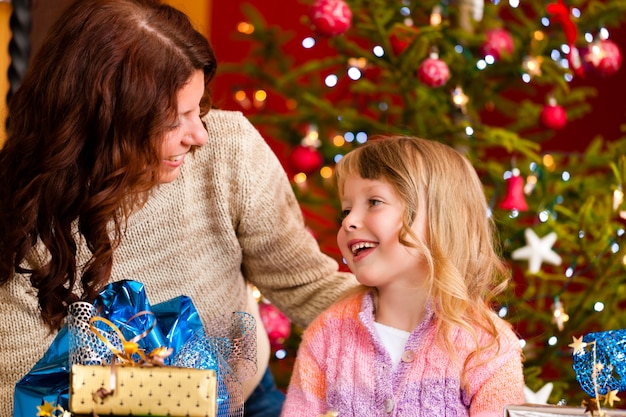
(344, 214)
(374, 202)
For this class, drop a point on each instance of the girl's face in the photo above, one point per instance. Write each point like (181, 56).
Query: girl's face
(369, 235)
(187, 131)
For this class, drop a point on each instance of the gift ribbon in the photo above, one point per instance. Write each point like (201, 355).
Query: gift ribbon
(129, 348)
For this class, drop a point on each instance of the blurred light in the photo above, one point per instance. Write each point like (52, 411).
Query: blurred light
(568, 77)
(548, 161)
(299, 178)
(588, 37)
(604, 33)
(338, 141)
(615, 247)
(331, 80)
(354, 73)
(553, 340)
(526, 78)
(514, 3)
(565, 176)
(383, 106)
(326, 172)
(361, 137)
(598, 306)
(308, 42)
(581, 234)
(522, 343)
(435, 16)
(337, 158)
(544, 215)
(260, 95)
(514, 214)
(538, 35)
(349, 137)
(569, 272)
(378, 51)
(503, 312)
(245, 28)
(469, 130)
(620, 232)
(458, 49)
(405, 11)
(555, 55)
(565, 48)
(575, 12)
(481, 64)
(545, 21)
(489, 59)
(281, 354)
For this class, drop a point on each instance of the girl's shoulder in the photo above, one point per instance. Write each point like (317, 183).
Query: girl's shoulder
(346, 309)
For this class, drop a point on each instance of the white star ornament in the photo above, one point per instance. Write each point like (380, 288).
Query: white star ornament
(537, 251)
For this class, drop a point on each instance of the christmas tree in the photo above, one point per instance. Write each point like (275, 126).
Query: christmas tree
(495, 80)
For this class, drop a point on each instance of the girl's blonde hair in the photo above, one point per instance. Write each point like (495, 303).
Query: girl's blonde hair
(465, 270)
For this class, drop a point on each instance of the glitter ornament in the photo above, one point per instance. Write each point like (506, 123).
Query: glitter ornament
(305, 159)
(499, 43)
(602, 58)
(330, 17)
(277, 325)
(606, 348)
(433, 72)
(553, 116)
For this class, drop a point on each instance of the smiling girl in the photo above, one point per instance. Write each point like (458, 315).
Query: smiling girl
(420, 337)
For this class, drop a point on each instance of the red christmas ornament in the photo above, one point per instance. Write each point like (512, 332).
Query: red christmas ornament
(602, 58)
(305, 159)
(553, 116)
(433, 72)
(401, 37)
(277, 325)
(514, 198)
(330, 17)
(499, 43)
(561, 14)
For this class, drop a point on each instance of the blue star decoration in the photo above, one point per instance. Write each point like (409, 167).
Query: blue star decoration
(537, 251)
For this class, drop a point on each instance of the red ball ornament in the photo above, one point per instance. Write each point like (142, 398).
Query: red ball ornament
(433, 72)
(499, 43)
(401, 37)
(553, 116)
(330, 17)
(602, 58)
(277, 325)
(305, 159)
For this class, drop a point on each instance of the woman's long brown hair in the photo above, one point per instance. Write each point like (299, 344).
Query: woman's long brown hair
(85, 129)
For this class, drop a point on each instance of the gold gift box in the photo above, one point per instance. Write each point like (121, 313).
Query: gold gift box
(153, 391)
(540, 410)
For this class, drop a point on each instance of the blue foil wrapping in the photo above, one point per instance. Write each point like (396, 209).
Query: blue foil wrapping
(178, 326)
(602, 348)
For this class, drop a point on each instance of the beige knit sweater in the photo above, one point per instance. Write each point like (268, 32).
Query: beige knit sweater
(230, 218)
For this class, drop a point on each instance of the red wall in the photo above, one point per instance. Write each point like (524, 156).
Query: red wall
(609, 106)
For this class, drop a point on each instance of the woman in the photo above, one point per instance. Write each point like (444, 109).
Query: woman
(114, 168)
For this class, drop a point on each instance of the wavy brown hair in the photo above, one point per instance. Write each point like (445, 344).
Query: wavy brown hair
(85, 129)
(466, 272)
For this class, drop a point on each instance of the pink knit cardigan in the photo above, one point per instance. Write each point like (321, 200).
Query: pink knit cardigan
(342, 367)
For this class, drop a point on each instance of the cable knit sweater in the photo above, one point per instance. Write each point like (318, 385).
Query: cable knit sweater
(343, 367)
(229, 217)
